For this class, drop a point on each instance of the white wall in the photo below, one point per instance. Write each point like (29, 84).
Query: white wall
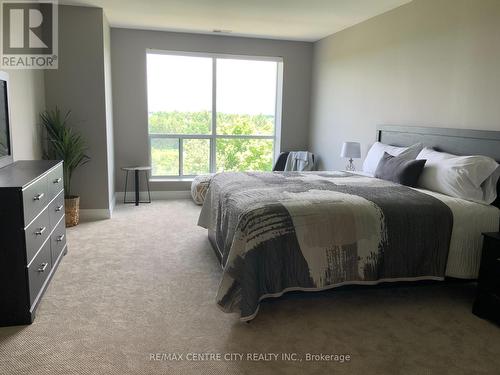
(27, 100)
(108, 89)
(426, 63)
(81, 85)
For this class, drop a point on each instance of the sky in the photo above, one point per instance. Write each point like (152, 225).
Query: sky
(184, 83)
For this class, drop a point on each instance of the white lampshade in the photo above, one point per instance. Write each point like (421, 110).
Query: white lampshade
(351, 150)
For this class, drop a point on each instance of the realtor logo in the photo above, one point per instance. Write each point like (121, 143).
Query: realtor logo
(29, 37)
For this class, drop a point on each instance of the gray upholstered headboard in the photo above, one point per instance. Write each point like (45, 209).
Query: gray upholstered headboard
(454, 141)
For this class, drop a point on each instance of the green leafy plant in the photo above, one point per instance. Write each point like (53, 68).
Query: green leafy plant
(63, 143)
(236, 154)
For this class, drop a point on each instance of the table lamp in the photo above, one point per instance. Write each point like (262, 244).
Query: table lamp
(351, 150)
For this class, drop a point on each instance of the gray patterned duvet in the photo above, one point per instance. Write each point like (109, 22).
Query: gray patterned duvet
(279, 232)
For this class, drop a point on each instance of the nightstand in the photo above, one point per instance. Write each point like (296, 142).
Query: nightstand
(487, 304)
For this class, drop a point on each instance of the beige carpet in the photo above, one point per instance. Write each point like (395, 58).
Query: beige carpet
(145, 282)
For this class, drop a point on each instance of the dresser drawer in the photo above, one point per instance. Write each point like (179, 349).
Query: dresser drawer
(35, 198)
(38, 271)
(55, 181)
(56, 209)
(58, 240)
(36, 234)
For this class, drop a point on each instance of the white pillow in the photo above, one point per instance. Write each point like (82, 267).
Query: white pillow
(473, 178)
(489, 187)
(377, 151)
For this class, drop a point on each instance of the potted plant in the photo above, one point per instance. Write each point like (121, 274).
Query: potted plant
(64, 143)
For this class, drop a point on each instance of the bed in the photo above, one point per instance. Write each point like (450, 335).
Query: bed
(310, 231)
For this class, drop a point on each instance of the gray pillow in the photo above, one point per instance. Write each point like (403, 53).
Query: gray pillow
(399, 169)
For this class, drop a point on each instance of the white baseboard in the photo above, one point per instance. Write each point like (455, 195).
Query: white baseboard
(155, 195)
(94, 214)
(104, 214)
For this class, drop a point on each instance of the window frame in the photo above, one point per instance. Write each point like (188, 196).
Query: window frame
(213, 136)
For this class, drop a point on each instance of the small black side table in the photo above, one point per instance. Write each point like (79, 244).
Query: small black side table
(136, 171)
(487, 304)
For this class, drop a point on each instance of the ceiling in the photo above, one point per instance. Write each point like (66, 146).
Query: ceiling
(306, 20)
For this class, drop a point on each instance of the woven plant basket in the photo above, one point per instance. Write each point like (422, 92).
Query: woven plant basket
(72, 210)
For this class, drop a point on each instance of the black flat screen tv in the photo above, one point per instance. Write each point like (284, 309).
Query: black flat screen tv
(5, 131)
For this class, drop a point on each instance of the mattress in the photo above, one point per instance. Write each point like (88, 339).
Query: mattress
(312, 231)
(469, 221)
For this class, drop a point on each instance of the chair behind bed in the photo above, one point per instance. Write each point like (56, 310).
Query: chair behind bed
(281, 162)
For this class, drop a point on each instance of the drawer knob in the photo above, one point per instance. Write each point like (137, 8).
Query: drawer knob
(59, 209)
(42, 267)
(38, 196)
(40, 231)
(60, 238)
(57, 180)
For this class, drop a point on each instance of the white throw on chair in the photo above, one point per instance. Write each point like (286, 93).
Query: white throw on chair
(299, 161)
